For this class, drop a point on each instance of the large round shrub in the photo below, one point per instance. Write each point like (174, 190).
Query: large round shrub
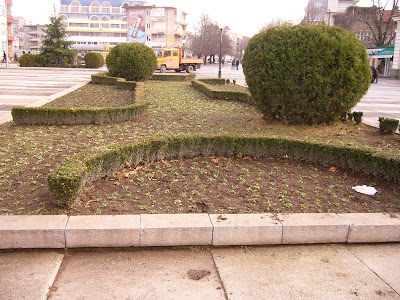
(306, 74)
(94, 60)
(132, 61)
(28, 60)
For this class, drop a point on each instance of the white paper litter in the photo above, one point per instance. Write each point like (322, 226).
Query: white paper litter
(363, 189)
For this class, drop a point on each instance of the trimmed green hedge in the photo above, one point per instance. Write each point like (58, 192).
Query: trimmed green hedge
(67, 181)
(229, 95)
(175, 77)
(63, 116)
(220, 81)
(104, 78)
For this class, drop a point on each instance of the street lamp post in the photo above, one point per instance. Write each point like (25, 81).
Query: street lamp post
(220, 55)
(183, 48)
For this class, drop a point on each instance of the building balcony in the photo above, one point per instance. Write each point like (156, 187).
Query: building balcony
(10, 37)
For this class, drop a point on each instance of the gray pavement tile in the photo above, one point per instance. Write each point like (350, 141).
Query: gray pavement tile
(137, 274)
(28, 275)
(298, 272)
(383, 259)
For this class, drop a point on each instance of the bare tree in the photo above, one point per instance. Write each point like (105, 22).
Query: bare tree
(205, 40)
(275, 23)
(314, 15)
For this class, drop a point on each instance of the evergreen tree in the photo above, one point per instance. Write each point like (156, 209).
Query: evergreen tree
(56, 50)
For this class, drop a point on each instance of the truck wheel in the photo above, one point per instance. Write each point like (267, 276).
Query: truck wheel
(189, 69)
(163, 68)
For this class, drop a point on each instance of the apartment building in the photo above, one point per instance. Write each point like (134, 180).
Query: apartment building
(92, 24)
(156, 26)
(33, 36)
(6, 30)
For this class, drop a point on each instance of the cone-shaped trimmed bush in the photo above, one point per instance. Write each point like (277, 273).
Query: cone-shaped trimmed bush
(132, 61)
(306, 74)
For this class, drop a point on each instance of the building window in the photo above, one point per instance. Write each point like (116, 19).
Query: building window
(105, 25)
(85, 9)
(124, 26)
(94, 25)
(63, 9)
(124, 19)
(105, 8)
(116, 10)
(114, 25)
(115, 18)
(95, 7)
(148, 25)
(94, 18)
(104, 19)
(158, 12)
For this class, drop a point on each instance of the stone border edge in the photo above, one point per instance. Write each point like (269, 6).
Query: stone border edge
(36, 232)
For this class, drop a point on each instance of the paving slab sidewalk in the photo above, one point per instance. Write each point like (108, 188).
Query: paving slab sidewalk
(332, 271)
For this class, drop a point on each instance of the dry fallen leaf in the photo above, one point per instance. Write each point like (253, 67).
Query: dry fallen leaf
(332, 169)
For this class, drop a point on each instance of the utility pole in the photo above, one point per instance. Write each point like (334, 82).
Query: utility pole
(220, 55)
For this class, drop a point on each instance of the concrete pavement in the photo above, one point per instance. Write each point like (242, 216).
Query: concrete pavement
(37, 86)
(276, 272)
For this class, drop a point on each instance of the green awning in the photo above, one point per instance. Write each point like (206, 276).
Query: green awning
(388, 52)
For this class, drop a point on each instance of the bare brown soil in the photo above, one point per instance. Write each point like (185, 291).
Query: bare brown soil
(234, 185)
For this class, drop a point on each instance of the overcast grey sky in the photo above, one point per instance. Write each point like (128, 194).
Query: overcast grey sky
(243, 17)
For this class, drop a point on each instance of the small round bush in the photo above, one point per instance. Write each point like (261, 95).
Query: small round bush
(94, 60)
(306, 74)
(132, 61)
(28, 60)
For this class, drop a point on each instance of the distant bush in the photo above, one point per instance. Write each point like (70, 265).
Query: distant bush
(94, 60)
(388, 125)
(29, 60)
(132, 61)
(357, 115)
(306, 74)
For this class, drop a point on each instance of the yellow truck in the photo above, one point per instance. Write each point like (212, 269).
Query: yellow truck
(171, 59)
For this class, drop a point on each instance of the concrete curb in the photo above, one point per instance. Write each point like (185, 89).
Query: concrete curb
(195, 229)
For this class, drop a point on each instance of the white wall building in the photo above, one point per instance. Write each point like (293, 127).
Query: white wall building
(92, 24)
(322, 11)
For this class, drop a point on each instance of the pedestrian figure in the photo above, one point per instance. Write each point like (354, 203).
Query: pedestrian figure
(233, 64)
(15, 56)
(374, 75)
(4, 57)
(223, 61)
(237, 64)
